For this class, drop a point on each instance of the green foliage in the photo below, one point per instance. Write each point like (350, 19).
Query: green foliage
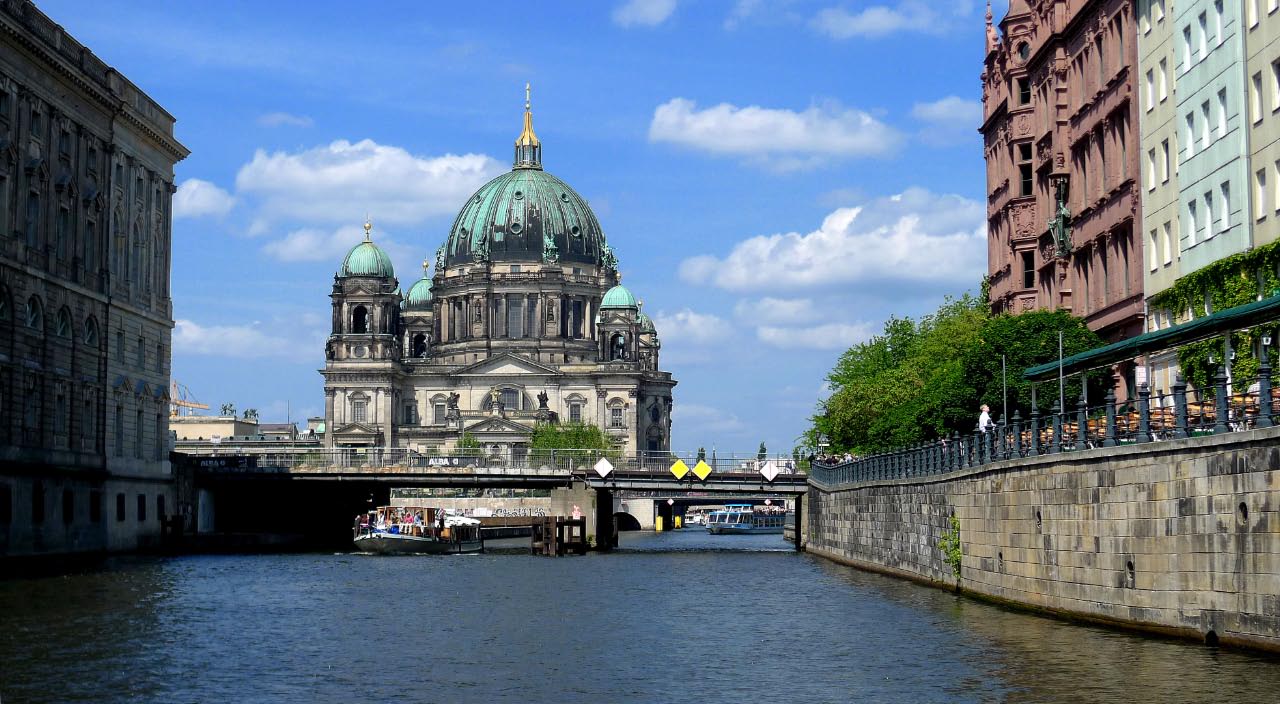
(1234, 281)
(918, 381)
(950, 546)
(578, 441)
(468, 446)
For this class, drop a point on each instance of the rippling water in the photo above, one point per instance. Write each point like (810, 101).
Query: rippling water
(670, 617)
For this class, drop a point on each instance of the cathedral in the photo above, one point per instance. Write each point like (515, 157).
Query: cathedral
(524, 321)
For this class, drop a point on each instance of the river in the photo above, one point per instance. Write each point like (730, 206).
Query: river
(671, 617)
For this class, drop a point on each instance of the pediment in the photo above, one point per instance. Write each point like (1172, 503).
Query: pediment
(356, 429)
(615, 319)
(497, 425)
(507, 364)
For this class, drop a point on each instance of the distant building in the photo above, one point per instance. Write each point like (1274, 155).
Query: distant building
(524, 321)
(278, 431)
(217, 428)
(1059, 87)
(86, 181)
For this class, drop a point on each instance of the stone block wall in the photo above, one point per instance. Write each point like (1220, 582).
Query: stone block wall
(1181, 537)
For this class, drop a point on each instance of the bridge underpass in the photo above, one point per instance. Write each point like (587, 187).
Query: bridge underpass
(314, 505)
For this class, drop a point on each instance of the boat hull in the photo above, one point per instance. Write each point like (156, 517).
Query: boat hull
(393, 544)
(734, 529)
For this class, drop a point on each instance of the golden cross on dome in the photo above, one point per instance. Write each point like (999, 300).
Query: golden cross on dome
(368, 227)
(526, 95)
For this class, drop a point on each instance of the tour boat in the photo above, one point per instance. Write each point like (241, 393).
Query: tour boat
(409, 530)
(744, 518)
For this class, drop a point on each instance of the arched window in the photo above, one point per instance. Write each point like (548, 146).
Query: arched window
(63, 325)
(91, 332)
(420, 345)
(510, 399)
(35, 314)
(359, 409)
(360, 320)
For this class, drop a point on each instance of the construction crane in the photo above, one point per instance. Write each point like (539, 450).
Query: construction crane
(181, 402)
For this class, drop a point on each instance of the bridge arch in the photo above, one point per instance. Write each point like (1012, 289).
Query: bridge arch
(626, 521)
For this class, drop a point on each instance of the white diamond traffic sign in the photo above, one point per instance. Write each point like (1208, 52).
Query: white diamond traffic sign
(768, 470)
(603, 467)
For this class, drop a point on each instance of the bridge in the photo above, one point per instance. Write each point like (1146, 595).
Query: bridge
(266, 489)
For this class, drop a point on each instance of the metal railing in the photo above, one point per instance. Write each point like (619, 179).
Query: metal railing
(1146, 419)
(308, 456)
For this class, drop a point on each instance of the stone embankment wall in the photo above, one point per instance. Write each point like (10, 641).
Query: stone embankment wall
(1181, 537)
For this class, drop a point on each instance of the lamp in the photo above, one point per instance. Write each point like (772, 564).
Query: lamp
(1266, 339)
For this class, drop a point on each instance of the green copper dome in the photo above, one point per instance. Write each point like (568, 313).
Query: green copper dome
(366, 259)
(526, 215)
(619, 297)
(646, 325)
(419, 297)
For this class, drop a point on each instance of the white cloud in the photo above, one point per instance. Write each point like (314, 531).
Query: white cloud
(341, 181)
(830, 336)
(316, 245)
(687, 326)
(646, 13)
(241, 341)
(917, 239)
(950, 111)
(775, 311)
(925, 16)
(782, 138)
(197, 198)
(284, 119)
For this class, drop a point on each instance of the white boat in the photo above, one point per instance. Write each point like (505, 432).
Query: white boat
(744, 518)
(417, 531)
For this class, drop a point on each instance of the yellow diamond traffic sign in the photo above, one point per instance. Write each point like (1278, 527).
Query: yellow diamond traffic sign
(679, 469)
(702, 469)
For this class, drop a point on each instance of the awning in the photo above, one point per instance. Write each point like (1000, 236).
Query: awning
(1213, 325)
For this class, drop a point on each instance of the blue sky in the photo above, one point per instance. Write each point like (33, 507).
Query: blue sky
(776, 178)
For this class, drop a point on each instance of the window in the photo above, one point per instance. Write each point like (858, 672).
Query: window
(1255, 102)
(1151, 169)
(160, 512)
(61, 412)
(1253, 12)
(515, 317)
(1191, 224)
(159, 443)
(1026, 176)
(575, 412)
(119, 507)
(142, 508)
(1275, 85)
(6, 505)
(137, 434)
(159, 357)
(91, 333)
(1208, 215)
(1190, 137)
(1276, 173)
(1024, 90)
(515, 268)
(119, 433)
(359, 411)
(1028, 269)
(95, 505)
(1164, 161)
(6, 311)
(1204, 125)
(1217, 23)
(1166, 235)
(87, 431)
(1222, 113)
(1163, 84)
(1157, 10)
(1102, 62)
(32, 229)
(440, 411)
(1186, 48)
(1151, 89)
(35, 314)
(1204, 35)
(62, 327)
(360, 320)
(615, 418)
(1225, 192)
(1260, 194)
(68, 506)
(141, 353)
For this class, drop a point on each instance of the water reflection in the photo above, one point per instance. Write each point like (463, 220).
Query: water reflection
(667, 617)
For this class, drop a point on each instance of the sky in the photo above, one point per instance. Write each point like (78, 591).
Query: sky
(777, 178)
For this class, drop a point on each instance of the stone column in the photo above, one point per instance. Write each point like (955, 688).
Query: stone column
(328, 418)
(499, 327)
(385, 411)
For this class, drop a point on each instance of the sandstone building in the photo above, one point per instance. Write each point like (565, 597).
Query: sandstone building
(1059, 108)
(524, 321)
(86, 180)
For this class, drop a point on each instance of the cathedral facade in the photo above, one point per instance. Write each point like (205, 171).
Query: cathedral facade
(524, 321)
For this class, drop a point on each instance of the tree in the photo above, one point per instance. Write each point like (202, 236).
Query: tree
(762, 452)
(580, 440)
(468, 446)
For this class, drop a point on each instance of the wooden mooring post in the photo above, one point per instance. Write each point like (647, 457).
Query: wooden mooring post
(555, 536)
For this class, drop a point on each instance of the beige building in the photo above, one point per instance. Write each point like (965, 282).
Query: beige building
(211, 427)
(524, 321)
(86, 180)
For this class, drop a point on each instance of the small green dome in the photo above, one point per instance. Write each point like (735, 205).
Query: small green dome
(367, 259)
(419, 297)
(619, 297)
